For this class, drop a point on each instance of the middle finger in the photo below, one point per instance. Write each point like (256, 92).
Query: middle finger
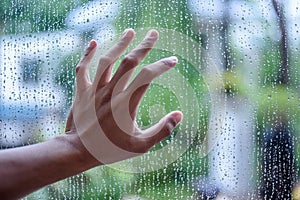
(131, 60)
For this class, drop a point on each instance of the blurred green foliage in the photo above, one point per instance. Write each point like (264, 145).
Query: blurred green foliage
(174, 15)
(29, 16)
(270, 63)
(65, 76)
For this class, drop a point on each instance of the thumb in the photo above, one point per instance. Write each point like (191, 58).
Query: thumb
(162, 129)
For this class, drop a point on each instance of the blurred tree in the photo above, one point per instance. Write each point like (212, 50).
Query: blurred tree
(277, 145)
(29, 16)
(226, 160)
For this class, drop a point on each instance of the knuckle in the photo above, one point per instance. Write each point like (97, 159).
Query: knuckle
(148, 72)
(106, 60)
(165, 62)
(147, 44)
(87, 51)
(131, 60)
(123, 42)
(78, 68)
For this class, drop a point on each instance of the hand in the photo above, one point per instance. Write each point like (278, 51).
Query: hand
(103, 112)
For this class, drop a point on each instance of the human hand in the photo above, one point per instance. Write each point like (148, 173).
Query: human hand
(103, 112)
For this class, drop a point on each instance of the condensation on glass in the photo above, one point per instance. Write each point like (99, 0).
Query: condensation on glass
(237, 84)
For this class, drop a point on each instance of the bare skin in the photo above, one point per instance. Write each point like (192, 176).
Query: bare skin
(26, 169)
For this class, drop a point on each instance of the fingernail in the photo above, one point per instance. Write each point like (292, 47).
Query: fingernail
(152, 33)
(175, 119)
(171, 61)
(174, 59)
(127, 33)
(178, 117)
(92, 44)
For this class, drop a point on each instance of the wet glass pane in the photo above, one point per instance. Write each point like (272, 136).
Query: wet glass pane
(237, 84)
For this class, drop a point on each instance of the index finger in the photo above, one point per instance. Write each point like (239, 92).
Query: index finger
(140, 84)
(107, 60)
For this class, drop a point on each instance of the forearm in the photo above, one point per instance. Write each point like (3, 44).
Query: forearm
(26, 169)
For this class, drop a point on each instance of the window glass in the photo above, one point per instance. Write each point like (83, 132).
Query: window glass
(237, 84)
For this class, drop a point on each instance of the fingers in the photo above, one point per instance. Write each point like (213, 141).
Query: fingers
(162, 129)
(127, 65)
(140, 84)
(82, 69)
(106, 61)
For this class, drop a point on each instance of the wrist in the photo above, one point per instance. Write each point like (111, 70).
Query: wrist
(82, 155)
